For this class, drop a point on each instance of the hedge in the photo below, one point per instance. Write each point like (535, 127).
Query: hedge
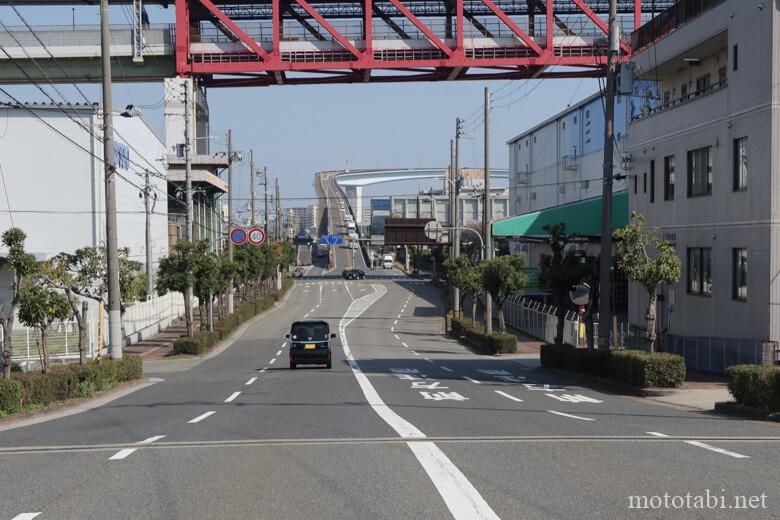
(488, 344)
(33, 389)
(756, 385)
(204, 340)
(660, 370)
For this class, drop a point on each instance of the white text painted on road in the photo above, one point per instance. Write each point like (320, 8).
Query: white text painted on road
(201, 417)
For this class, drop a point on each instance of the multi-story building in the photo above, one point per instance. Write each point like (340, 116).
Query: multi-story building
(436, 206)
(704, 170)
(300, 219)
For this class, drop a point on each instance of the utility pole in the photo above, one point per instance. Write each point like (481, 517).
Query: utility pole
(605, 264)
(231, 292)
(278, 226)
(252, 217)
(112, 241)
(265, 203)
(451, 186)
(148, 210)
(487, 213)
(190, 237)
(455, 208)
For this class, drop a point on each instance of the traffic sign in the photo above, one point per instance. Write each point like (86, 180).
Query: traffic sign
(238, 236)
(332, 240)
(256, 236)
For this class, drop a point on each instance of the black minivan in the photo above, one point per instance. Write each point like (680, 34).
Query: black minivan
(310, 343)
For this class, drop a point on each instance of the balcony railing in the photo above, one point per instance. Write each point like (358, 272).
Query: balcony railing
(649, 111)
(683, 11)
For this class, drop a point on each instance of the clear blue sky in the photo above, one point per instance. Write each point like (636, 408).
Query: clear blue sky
(297, 130)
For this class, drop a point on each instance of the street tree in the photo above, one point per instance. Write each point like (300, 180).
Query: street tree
(208, 280)
(175, 273)
(20, 266)
(39, 307)
(560, 273)
(635, 243)
(82, 275)
(502, 277)
(466, 277)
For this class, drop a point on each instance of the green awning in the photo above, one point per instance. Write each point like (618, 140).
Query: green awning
(582, 218)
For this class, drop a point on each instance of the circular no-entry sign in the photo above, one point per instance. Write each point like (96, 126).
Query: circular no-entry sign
(238, 236)
(256, 236)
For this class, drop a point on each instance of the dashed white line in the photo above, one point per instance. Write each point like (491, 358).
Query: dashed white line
(397, 337)
(263, 369)
(415, 353)
(395, 323)
(428, 360)
(513, 398)
(404, 344)
(278, 352)
(284, 344)
(152, 439)
(272, 361)
(571, 416)
(26, 516)
(447, 369)
(657, 434)
(392, 329)
(467, 378)
(717, 450)
(306, 315)
(201, 417)
(122, 454)
(232, 396)
(251, 380)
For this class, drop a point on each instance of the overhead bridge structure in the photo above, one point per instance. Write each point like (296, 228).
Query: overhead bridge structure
(352, 182)
(277, 42)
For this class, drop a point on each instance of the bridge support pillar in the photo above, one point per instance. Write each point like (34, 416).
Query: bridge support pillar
(355, 197)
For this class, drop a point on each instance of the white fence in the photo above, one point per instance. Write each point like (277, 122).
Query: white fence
(139, 321)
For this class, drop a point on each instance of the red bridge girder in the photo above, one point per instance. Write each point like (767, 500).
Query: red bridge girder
(275, 42)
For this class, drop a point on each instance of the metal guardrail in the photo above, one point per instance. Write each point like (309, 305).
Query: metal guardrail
(683, 11)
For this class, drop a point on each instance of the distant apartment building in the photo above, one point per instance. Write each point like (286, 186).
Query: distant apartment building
(705, 169)
(437, 206)
(300, 219)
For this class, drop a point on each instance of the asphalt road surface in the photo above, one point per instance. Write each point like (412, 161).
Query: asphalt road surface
(407, 424)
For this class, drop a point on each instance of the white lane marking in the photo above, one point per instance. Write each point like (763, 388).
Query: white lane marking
(467, 378)
(278, 352)
(513, 398)
(459, 495)
(122, 454)
(447, 369)
(152, 439)
(272, 361)
(395, 323)
(392, 329)
(305, 315)
(571, 416)
(232, 396)
(399, 316)
(263, 369)
(428, 360)
(251, 380)
(404, 344)
(26, 516)
(657, 434)
(397, 337)
(284, 344)
(346, 286)
(201, 417)
(717, 450)
(311, 311)
(415, 353)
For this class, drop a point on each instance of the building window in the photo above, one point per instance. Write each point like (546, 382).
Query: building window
(669, 173)
(739, 273)
(699, 172)
(564, 125)
(722, 77)
(740, 164)
(735, 56)
(700, 271)
(652, 181)
(635, 184)
(644, 182)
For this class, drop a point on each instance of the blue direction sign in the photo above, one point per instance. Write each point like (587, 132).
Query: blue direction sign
(332, 240)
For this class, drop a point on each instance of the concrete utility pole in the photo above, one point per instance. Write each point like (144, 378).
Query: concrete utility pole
(278, 217)
(455, 208)
(231, 291)
(487, 213)
(265, 202)
(252, 217)
(605, 264)
(451, 187)
(148, 211)
(112, 241)
(190, 236)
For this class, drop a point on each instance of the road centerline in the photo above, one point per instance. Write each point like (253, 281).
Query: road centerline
(201, 417)
(571, 416)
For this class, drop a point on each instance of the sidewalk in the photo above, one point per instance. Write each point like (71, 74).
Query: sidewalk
(160, 345)
(700, 391)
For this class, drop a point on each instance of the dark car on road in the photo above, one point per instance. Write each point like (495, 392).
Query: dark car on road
(310, 343)
(353, 274)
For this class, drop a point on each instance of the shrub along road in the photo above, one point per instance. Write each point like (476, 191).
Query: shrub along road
(408, 423)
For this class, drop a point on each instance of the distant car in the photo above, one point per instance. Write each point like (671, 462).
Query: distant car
(387, 262)
(353, 274)
(310, 343)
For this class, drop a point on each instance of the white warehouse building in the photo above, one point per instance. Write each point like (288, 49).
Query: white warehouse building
(52, 169)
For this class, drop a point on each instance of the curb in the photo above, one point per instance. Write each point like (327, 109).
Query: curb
(75, 406)
(611, 386)
(748, 412)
